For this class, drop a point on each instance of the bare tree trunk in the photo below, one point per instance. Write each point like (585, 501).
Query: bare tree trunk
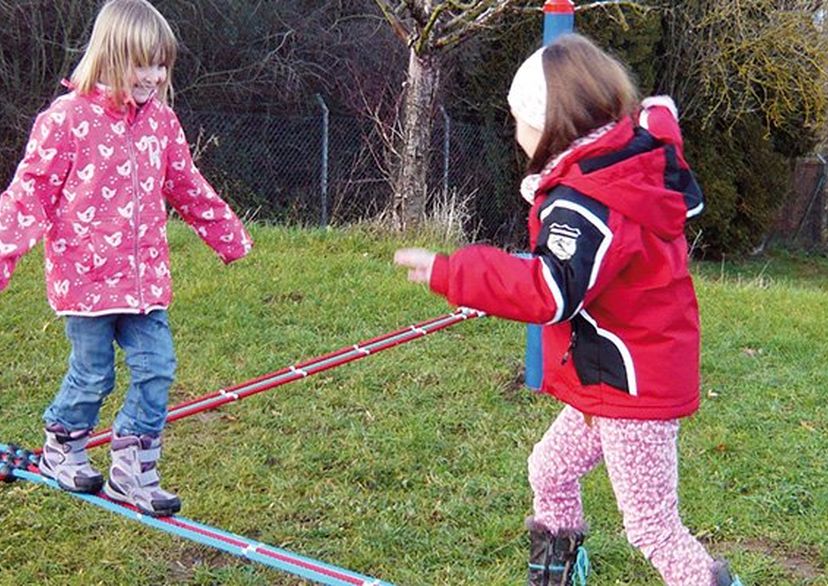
(411, 187)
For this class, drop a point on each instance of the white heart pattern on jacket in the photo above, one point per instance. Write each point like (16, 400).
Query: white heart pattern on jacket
(81, 130)
(82, 269)
(115, 239)
(153, 124)
(59, 246)
(98, 260)
(106, 151)
(24, 221)
(131, 300)
(58, 117)
(55, 180)
(87, 173)
(69, 195)
(108, 193)
(97, 109)
(28, 186)
(226, 238)
(125, 169)
(87, 215)
(62, 288)
(7, 248)
(46, 154)
(179, 165)
(156, 290)
(118, 128)
(31, 146)
(148, 184)
(80, 229)
(127, 210)
(208, 214)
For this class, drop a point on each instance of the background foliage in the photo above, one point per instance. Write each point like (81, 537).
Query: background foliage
(749, 78)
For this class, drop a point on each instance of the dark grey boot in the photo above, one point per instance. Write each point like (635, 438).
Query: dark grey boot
(556, 559)
(721, 572)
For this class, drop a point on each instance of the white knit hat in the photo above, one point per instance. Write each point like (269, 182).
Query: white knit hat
(527, 96)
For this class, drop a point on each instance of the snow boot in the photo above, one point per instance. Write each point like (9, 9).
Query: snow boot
(64, 460)
(133, 477)
(721, 572)
(556, 559)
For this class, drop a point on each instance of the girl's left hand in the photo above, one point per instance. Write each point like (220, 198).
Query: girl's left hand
(419, 262)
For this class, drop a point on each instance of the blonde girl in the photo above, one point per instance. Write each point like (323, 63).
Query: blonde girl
(102, 163)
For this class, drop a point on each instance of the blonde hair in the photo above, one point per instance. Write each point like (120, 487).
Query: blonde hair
(127, 34)
(586, 88)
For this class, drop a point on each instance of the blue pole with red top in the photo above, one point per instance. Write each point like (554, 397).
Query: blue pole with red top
(558, 19)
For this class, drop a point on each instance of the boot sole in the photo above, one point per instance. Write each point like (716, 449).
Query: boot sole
(93, 488)
(116, 495)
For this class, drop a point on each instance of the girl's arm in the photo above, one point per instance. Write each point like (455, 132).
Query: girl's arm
(576, 256)
(198, 203)
(26, 206)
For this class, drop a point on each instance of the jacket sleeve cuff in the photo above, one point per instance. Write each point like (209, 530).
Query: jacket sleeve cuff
(439, 282)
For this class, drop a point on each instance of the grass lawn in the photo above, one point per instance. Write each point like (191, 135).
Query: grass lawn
(411, 465)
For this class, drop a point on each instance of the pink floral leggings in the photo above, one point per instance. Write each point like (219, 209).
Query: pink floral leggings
(641, 459)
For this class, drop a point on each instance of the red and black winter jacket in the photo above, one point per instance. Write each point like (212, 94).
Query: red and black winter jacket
(609, 279)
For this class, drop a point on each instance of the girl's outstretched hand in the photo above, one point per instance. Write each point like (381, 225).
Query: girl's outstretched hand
(419, 262)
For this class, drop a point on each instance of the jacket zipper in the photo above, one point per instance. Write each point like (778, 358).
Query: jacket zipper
(573, 339)
(135, 186)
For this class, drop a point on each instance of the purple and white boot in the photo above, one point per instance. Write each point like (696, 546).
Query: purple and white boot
(133, 477)
(64, 460)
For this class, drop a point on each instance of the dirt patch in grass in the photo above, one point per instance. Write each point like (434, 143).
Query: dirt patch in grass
(189, 558)
(800, 564)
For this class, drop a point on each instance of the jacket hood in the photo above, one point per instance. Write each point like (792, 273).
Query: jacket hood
(636, 167)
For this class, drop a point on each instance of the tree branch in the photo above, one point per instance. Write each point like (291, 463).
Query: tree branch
(390, 15)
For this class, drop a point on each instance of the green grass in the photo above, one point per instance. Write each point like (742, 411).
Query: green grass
(410, 465)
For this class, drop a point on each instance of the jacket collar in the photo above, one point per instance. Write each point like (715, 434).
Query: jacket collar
(101, 95)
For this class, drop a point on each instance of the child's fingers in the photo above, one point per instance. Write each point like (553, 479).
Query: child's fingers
(412, 257)
(418, 275)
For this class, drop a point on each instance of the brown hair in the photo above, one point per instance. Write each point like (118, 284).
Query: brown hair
(586, 88)
(126, 34)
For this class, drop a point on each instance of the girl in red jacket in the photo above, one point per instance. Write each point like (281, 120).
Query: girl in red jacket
(610, 193)
(101, 165)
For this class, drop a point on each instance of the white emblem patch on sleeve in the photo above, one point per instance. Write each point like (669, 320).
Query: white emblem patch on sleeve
(563, 240)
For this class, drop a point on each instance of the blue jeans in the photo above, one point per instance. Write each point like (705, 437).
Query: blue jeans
(148, 351)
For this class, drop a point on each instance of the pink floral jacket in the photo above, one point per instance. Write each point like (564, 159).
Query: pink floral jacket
(93, 183)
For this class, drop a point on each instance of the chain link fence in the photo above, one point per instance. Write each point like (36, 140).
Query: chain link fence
(802, 222)
(316, 169)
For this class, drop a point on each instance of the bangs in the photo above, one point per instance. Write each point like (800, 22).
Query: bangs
(150, 45)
